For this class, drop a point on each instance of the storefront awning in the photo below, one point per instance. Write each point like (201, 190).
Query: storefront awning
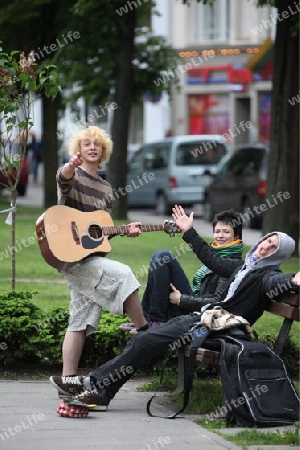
(262, 62)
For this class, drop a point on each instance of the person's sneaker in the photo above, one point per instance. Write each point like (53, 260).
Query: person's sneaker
(127, 326)
(68, 386)
(151, 323)
(133, 331)
(90, 399)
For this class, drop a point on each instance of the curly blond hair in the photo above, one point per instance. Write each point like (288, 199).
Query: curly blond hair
(95, 133)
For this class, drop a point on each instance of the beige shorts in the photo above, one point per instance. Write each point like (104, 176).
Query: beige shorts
(97, 283)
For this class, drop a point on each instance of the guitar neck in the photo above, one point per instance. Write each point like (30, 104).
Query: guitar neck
(123, 229)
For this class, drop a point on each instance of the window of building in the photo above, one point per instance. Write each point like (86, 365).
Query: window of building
(212, 23)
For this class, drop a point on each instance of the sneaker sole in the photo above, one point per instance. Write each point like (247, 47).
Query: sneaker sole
(91, 407)
(99, 408)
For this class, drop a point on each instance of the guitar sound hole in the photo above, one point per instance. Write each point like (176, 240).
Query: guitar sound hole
(95, 231)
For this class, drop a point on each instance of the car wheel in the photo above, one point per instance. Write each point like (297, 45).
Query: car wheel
(162, 208)
(207, 211)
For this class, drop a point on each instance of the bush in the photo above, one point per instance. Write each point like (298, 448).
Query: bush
(20, 337)
(29, 334)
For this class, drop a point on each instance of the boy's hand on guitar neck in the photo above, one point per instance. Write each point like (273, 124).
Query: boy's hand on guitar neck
(134, 229)
(69, 168)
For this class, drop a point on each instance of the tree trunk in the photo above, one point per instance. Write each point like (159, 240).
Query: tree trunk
(50, 10)
(50, 158)
(120, 124)
(283, 170)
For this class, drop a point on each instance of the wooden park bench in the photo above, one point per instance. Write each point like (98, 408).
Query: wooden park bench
(286, 306)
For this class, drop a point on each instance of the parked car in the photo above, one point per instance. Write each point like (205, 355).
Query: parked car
(173, 170)
(24, 175)
(239, 183)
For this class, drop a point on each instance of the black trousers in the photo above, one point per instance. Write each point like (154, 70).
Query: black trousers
(144, 346)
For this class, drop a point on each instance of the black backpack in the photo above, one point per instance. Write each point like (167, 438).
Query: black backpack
(256, 385)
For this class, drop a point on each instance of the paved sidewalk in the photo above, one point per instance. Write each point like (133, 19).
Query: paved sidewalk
(29, 422)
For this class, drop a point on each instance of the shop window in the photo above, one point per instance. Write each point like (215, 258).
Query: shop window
(208, 113)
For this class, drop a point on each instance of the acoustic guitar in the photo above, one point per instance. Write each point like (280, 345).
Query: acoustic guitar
(66, 235)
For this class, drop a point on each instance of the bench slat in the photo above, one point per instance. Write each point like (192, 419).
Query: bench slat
(284, 310)
(289, 298)
(204, 356)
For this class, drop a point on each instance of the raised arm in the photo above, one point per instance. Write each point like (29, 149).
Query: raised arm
(222, 266)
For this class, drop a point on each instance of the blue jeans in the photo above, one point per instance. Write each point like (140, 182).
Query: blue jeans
(163, 270)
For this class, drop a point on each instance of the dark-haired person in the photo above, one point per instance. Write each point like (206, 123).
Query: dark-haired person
(169, 293)
(246, 295)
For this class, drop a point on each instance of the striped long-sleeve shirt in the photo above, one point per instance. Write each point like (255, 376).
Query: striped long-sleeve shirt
(84, 192)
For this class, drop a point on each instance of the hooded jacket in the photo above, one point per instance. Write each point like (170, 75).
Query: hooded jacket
(251, 286)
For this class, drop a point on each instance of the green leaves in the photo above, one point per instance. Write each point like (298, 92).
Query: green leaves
(48, 81)
(20, 82)
(28, 333)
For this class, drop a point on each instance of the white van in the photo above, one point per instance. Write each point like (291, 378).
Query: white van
(172, 171)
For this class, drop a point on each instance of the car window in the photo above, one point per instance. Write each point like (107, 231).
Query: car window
(136, 162)
(150, 158)
(156, 157)
(194, 153)
(247, 160)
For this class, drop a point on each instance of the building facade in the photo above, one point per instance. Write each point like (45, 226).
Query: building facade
(225, 70)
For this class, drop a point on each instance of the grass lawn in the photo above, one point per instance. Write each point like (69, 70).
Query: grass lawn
(287, 437)
(32, 272)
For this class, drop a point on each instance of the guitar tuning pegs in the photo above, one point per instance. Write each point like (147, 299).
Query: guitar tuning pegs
(171, 228)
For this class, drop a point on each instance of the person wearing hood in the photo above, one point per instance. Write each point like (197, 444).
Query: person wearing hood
(251, 282)
(248, 294)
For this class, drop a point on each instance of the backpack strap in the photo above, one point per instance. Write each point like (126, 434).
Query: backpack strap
(198, 337)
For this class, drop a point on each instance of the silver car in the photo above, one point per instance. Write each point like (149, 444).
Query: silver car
(172, 171)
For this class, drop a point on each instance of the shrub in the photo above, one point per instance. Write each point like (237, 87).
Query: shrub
(29, 334)
(20, 338)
